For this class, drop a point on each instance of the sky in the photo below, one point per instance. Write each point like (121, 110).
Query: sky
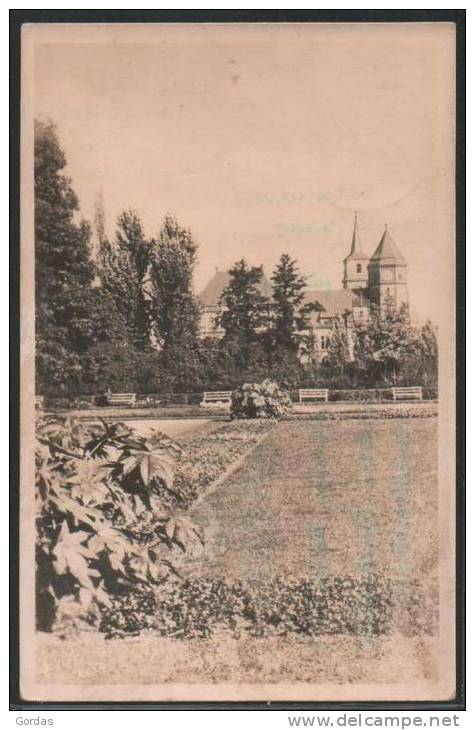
(264, 139)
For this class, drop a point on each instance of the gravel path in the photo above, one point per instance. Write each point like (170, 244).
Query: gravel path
(172, 427)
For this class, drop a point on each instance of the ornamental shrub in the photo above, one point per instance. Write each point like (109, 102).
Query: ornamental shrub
(260, 400)
(101, 527)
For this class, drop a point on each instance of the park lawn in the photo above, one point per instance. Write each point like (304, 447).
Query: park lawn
(321, 498)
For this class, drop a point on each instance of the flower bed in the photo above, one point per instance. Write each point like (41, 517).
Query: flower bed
(207, 457)
(370, 605)
(398, 411)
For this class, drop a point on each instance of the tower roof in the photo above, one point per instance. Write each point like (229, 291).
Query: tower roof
(210, 295)
(387, 252)
(356, 251)
(333, 301)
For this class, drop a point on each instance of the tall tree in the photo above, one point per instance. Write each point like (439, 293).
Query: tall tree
(176, 313)
(421, 365)
(429, 348)
(290, 317)
(100, 241)
(63, 269)
(384, 341)
(124, 267)
(339, 346)
(245, 309)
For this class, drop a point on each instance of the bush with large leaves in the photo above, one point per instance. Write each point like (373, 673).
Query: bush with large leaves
(101, 528)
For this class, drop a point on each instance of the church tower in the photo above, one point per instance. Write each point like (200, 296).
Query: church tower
(355, 265)
(387, 273)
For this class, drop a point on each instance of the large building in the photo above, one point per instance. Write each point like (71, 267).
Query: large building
(367, 281)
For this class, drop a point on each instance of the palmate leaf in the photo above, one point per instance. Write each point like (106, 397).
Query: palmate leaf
(71, 553)
(115, 542)
(87, 472)
(47, 476)
(156, 464)
(185, 533)
(88, 515)
(114, 434)
(179, 531)
(158, 439)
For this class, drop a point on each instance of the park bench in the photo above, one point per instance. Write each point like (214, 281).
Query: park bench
(313, 394)
(121, 399)
(39, 401)
(412, 393)
(216, 398)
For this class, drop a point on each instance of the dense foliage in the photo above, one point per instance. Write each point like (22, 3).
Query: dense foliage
(260, 400)
(102, 529)
(244, 312)
(382, 343)
(369, 605)
(123, 268)
(63, 271)
(289, 319)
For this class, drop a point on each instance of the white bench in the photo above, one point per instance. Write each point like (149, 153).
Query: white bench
(39, 401)
(216, 398)
(413, 393)
(313, 394)
(121, 399)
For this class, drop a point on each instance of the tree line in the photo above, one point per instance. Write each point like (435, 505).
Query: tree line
(126, 317)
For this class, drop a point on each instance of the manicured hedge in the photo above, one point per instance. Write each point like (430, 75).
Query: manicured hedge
(370, 605)
(370, 395)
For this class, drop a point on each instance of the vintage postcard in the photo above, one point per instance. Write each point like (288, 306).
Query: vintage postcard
(238, 361)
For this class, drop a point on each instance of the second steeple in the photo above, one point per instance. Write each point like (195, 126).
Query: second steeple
(355, 265)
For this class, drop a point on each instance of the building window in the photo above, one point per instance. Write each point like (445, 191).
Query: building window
(323, 342)
(358, 268)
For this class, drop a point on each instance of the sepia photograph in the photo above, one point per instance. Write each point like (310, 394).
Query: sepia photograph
(238, 362)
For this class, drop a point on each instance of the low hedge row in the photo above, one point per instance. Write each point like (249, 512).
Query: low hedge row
(371, 605)
(373, 395)
(398, 411)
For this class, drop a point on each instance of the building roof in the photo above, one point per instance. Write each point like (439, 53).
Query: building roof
(334, 301)
(387, 252)
(356, 251)
(210, 295)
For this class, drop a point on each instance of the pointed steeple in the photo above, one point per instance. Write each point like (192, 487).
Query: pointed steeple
(387, 251)
(355, 267)
(356, 251)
